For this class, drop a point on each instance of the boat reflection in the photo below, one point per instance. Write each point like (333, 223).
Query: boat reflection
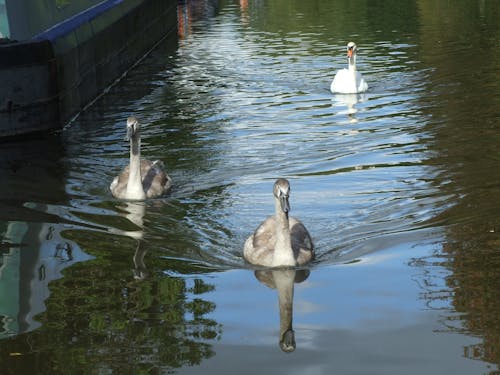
(33, 255)
(283, 281)
(34, 250)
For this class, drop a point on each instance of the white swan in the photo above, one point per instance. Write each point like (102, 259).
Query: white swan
(140, 179)
(349, 81)
(280, 241)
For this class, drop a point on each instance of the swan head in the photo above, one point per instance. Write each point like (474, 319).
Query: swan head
(133, 128)
(351, 53)
(351, 49)
(282, 193)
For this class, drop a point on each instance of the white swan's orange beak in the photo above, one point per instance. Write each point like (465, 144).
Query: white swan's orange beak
(349, 52)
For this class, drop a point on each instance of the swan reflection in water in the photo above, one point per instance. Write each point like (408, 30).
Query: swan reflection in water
(134, 211)
(349, 100)
(283, 281)
(140, 271)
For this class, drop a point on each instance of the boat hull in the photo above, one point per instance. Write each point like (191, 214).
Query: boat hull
(51, 78)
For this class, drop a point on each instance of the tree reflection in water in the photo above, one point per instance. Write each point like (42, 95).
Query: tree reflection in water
(464, 147)
(475, 284)
(99, 318)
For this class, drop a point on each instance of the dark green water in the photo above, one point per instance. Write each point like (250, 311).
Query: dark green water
(399, 187)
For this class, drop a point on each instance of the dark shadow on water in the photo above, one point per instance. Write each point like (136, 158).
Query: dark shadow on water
(31, 170)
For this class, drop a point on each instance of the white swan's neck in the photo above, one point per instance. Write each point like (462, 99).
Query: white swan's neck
(283, 253)
(134, 184)
(352, 64)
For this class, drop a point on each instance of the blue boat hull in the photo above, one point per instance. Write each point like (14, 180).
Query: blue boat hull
(49, 79)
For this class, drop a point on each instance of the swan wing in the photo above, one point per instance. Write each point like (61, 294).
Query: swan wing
(155, 180)
(302, 243)
(119, 185)
(348, 83)
(259, 247)
(338, 81)
(362, 85)
(113, 184)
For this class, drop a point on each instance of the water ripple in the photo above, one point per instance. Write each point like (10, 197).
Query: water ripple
(237, 107)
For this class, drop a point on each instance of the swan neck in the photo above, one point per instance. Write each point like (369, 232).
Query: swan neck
(283, 253)
(134, 184)
(135, 145)
(352, 63)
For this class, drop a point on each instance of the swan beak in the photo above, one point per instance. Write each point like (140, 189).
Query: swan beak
(285, 204)
(349, 52)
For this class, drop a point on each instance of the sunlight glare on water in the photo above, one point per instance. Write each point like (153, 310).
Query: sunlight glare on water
(238, 106)
(264, 110)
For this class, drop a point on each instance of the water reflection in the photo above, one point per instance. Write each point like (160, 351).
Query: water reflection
(122, 322)
(31, 170)
(140, 269)
(34, 251)
(414, 161)
(283, 281)
(190, 11)
(462, 98)
(471, 252)
(134, 212)
(34, 255)
(349, 100)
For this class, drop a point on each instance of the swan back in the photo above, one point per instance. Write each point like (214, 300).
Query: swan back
(155, 181)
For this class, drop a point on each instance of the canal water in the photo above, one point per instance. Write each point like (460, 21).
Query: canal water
(399, 188)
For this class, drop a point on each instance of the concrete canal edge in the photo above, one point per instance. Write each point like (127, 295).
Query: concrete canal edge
(49, 79)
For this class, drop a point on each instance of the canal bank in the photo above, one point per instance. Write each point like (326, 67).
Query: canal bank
(56, 59)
